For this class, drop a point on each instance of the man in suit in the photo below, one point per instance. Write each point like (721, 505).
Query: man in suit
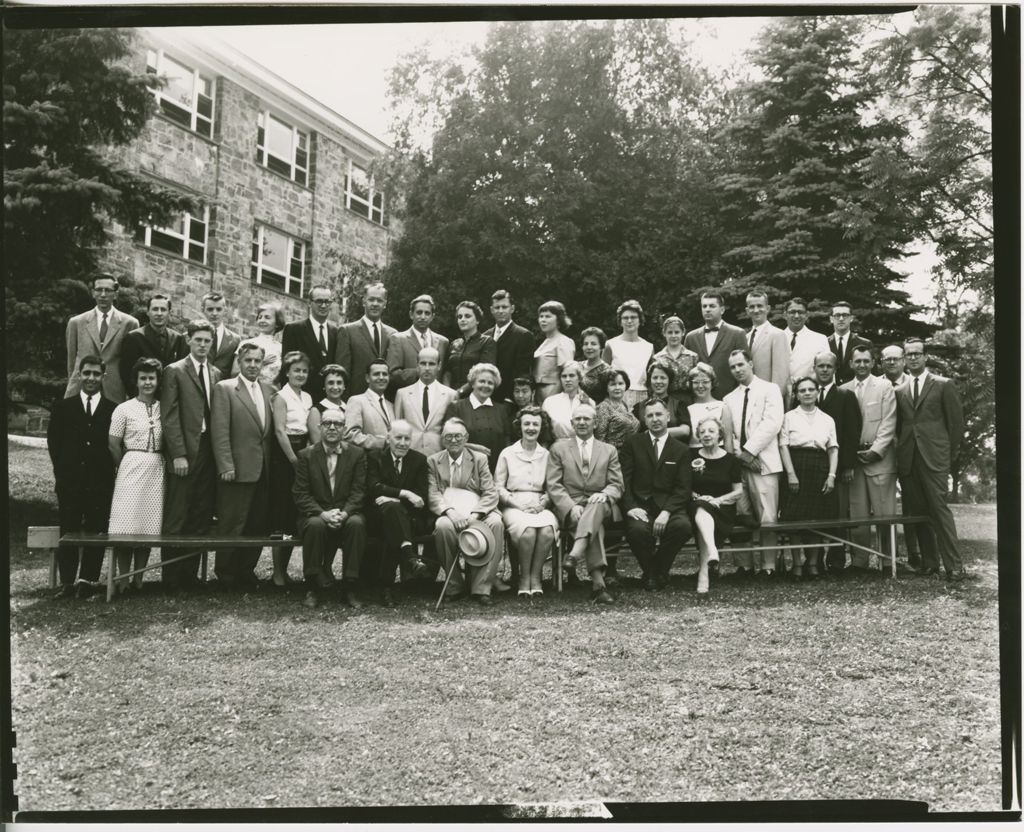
(369, 414)
(458, 467)
(315, 336)
(931, 427)
(767, 344)
(396, 485)
(154, 340)
(186, 404)
(656, 472)
(515, 344)
(404, 347)
(893, 370)
(424, 404)
(842, 341)
(360, 342)
(716, 340)
(225, 341)
(242, 430)
(330, 483)
(584, 479)
(99, 332)
(873, 487)
(84, 475)
(804, 342)
(756, 409)
(842, 406)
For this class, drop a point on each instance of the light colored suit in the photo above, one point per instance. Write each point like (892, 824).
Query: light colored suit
(403, 356)
(873, 490)
(83, 338)
(801, 357)
(355, 351)
(372, 422)
(473, 475)
(771, 356)
(426, 436)
(568, 487)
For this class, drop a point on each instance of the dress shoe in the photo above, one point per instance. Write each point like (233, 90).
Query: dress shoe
(569, 563)
(500, 586)
(650, 585)
(956, 577)
(927, 571)
(349, 598)
(914, 560)
(311, 600)
(601, 596)
(743, 574)
(661, 581)
(84, 590)
(714, 569)
(386, 598)
(66, 591)
(452, 597)
(483, 600)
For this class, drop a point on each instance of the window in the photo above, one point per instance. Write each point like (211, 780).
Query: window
(282, 148)
(360, 195)
(187, 97)
(186, 238)
(278, 261)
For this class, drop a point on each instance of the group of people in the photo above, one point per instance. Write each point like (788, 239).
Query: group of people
(375, 440)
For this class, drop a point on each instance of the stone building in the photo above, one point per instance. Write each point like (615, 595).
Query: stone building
(284, 183)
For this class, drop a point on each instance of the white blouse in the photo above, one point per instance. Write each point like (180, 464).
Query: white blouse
(631, 356)
(560, 408)
(298, 408)
(801, 429)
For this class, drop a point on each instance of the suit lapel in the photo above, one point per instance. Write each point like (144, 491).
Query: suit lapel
(244, 396)
(365, 335)
(93, 329)
(925, 389)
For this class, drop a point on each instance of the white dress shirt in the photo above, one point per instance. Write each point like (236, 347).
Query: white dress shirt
(204, 380)
(95, 398)
(801, 358)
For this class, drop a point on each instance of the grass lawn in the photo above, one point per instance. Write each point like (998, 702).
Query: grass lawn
(861, 688)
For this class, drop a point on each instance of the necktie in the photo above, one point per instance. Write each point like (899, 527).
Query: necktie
(426, 403)
(792, 342)
(916, 390)
(398, 466)
(821, 397)
(654, 442)
(376, 339)
(384, 410)
(751, 344)
(323, 341)
(743, 418)
(88, 407)
(860, 392)
(103, 329)
(585, 457)
(206, 394)
(213, 346)
(711, 329)
(839, 343)
(425, 340)
(257, 400)
(332, 466)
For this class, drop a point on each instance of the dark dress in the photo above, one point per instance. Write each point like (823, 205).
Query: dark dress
(488, 426)
(464, 354)
(678, 411)
(715, 480)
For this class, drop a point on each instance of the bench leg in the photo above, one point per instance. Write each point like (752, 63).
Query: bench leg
(203, 566)
(556, 560)
(53, 568)
(892, 546)
(110, 574)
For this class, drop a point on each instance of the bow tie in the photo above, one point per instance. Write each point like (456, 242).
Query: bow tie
(711, 329)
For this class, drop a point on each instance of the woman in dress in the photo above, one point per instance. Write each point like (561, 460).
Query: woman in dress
(659, 382)
(614, 423)
(489, 422)
(630, 352)
(810, 455)
(595, 368)
(525, 505)
(701, 381)
(335, 381)
(269, 323)
(561, 406)
(717, 485)
(674, 354)
(469, 349)
(554, 352)
(291, 408)
(135, 439)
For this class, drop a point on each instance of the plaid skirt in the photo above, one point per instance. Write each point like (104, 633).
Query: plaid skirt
(811, 466)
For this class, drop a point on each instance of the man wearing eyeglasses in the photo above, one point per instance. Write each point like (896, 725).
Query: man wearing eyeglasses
(842, 340)
(894, 364)
(931, 427)
(330, 481)
(315, 336)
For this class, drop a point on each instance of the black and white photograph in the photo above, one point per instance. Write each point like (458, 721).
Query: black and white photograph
(512, 413)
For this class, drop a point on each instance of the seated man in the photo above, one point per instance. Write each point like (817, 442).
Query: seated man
(656, 470)
(455, 476)
(584, 480)
(396, 481)
(330, 479)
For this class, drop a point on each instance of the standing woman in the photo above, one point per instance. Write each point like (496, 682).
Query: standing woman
(136, 444)
(269, 323)
(810, 455)
(554, 352)
(675, 355)
(614, 423)
(469, 349)
(595, 368)
(522, 497)
(630, 352)
(335, 380)
(291, 408)
(561, 406)
(701, 381)
(659, 385)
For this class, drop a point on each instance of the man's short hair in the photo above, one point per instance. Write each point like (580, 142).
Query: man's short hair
(375, 285)
(841, 303)
(197, 325)
(714, 294)
(653, 401)
(92, 361)
(102, 276)
(862, 348)
(579, 411)
(421, 299)
(210, 296)
(503, 294)
(759, 292)
(745, 353)
(796, 302)
(249, 346)
(455, 420)
(158, 296)
(915, 340)
(437, 354)
(399, 423)
(374, 362)
(830, 355)
(894, 347)
(319, 286)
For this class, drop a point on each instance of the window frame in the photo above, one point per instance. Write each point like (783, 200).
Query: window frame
(263, 153)
(257, 266)
(187, 241)
(195, 116)
(373, 204)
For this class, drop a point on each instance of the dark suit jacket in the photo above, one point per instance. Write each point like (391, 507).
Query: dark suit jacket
(312, 488)
(729, 338)
(240, 443)
(515, 357)
(78, 446)
(842, 406)
(355, 352)
(843, 371)
(667, 482)
(182, 408)
(403, 355)
(300, 335)
(224, 360)
(145, 343)
(935, 427)
(383, 481)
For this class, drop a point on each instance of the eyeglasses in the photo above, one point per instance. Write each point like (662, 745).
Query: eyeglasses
(840, 314)
(98, 290)
(453, 437)
(338, 425)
